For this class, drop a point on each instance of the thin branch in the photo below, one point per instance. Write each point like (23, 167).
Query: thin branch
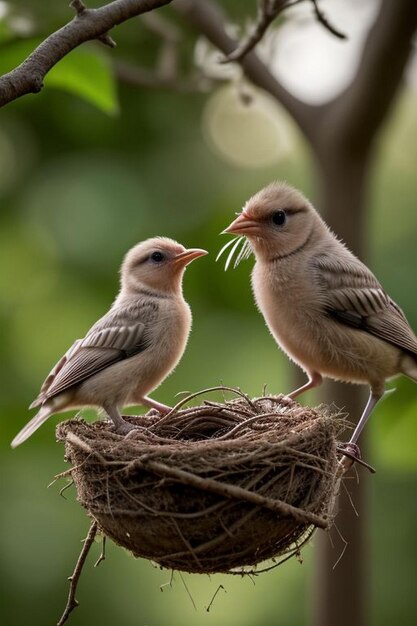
(87, 25)
(268, 10)
(74, 578)
(209, 20)
(325, 22)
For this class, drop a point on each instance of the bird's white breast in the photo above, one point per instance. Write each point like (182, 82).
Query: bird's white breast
(287, 302)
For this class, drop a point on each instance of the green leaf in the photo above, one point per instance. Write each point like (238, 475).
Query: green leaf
(88, 74)
(85, 72)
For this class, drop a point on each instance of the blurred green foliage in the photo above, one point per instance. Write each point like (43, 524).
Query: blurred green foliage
(78, 186)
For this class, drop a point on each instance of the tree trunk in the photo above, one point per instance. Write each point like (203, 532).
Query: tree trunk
(341, 587)
(341, 592)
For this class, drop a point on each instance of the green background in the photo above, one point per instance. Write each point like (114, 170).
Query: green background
(87, 169)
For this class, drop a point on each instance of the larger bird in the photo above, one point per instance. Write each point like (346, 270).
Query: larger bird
(323, 306)
(129, 351)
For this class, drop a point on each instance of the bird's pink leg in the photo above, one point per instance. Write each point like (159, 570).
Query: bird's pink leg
(122, 427)
(351, 448)
(314, 380)
(370, 405)
(161, 408)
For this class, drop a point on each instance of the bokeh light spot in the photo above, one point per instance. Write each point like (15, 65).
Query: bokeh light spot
(247, 129)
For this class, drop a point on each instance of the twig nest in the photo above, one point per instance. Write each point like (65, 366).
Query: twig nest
(210, 488)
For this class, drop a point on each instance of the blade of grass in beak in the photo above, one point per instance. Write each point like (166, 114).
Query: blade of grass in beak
(232, 252)
(245, 252)
(226, 245)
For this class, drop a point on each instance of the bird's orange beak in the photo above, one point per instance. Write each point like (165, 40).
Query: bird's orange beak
(243, 225)
(184, 258)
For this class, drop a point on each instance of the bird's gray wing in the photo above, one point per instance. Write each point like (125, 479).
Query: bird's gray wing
(54, 373)
(353, 296)
(97, 351)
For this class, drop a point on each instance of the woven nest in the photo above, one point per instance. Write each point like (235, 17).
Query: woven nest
(210, 488)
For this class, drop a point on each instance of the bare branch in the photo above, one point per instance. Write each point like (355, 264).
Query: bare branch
(268, 11)
(87, 25)
(325, 22)
(74, 578)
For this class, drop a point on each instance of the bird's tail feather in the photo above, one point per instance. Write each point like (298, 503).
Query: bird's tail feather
(37, 402)
(37, 421)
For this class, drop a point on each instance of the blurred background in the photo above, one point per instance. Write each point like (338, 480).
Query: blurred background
(91, 166)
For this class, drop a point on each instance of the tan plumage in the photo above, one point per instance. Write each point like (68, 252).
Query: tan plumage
(129, 351)
(323, 306)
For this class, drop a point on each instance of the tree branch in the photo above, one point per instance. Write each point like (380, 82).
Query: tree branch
(87, 25)
(322, 19)
(268, 11)
(207, 18)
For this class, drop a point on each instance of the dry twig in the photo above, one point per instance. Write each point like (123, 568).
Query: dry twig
(75, 577)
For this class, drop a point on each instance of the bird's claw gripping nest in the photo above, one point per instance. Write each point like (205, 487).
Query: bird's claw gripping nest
(352, 453)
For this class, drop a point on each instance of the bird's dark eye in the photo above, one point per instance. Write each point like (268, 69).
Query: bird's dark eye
(157, 257)
(279, 218)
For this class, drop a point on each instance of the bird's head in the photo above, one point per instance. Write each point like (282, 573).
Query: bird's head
(157, 264)
(278, 220)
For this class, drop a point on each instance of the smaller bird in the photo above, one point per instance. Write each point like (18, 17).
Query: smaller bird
(133, 348)
(322, 305)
